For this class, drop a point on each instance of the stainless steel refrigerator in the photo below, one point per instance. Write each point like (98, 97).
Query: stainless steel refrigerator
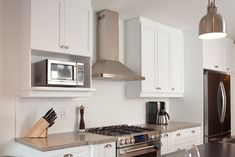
(217, 108)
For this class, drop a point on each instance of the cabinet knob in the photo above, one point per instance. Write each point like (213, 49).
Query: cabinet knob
(108, 146)
(227, 68)
(216, 66)
(68, 155)
(178, 134)
(172, 88)
(67, 47)
(62, 46)
(158, 88)
(193, 132)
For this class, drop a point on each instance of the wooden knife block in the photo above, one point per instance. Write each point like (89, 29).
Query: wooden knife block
(40, 129)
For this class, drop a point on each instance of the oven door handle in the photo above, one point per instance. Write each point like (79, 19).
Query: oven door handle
(138, 149)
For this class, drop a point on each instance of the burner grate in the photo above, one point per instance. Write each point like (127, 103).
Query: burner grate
(118, 130)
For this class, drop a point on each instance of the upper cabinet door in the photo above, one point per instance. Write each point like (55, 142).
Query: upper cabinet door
(45, 18)
(213, 54)
(77, 26)
(218, 55)
(228, 64)
(148, 49)
(62, 26)
(162, 60)
(176, 62)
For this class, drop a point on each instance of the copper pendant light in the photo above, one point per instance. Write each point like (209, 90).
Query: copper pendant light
(212, 25)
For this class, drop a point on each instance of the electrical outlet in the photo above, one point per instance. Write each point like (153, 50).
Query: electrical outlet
(63, 113)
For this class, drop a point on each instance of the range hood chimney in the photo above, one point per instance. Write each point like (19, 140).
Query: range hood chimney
(108, 65)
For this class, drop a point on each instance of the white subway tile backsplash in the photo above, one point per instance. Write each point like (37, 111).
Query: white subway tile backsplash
(107, 106)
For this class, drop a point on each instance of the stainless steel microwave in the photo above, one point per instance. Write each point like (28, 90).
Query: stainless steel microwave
(58, 73)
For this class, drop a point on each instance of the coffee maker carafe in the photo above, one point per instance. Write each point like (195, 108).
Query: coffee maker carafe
(156, 113)
(163, 116)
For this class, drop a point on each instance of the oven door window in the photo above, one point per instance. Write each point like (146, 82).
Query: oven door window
(61, 72)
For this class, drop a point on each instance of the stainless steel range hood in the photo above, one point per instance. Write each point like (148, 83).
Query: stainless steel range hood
(108, 65)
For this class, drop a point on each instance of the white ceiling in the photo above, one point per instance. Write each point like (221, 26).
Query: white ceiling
(181, 14)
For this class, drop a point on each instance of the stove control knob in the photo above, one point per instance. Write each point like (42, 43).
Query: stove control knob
(158, 136)
(153, 137)
(132, 140)
(122, 142)
(128, 141)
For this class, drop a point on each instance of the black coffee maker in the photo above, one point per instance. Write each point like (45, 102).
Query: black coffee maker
(156, 113)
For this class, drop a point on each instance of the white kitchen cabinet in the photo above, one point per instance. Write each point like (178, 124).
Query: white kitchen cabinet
(82, 151)
(177, 63)
(166, 143)
(180, 139)
(62, 26)
(183, 139)
(104, 150)
(218, 55)
(148, 47)
(228, 61)
(58, 30)
(154, 51)
(108, 150)
(162, 59)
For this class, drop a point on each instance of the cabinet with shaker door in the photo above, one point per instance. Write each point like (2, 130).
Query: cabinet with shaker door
(218, 55)
(56, 30)
(155, 51)
(61, 26)
(81, 151)
(180, 139)
(166, 143)
(104, 150)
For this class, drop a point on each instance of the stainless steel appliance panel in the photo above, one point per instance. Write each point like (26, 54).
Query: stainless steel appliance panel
(150, 149)
(55, 73)
(217, 121)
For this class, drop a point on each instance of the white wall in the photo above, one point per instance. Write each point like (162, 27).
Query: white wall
(190, 107)
(8, 73)
(107, 106)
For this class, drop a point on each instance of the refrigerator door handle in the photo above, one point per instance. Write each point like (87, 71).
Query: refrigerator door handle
(224, 102)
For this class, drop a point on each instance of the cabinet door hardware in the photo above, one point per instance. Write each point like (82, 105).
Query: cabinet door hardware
(68, 155)
(67, 47)
(108, 146)
(62, 46)
(178, 134)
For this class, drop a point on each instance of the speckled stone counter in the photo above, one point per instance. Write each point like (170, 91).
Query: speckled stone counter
(172, 126)
(64, 140)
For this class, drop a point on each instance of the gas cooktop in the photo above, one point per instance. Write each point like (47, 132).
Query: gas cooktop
(119, 130)
(128, 135)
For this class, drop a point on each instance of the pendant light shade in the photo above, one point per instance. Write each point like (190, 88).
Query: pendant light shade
(212, 25)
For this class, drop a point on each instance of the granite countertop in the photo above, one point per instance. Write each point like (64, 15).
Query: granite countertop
(65, 140)
(210, 150)
(74, 139)
(172, 126)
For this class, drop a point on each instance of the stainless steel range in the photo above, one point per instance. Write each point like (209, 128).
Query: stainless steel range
(133, 141)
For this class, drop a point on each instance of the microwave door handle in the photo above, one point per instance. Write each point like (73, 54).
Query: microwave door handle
(224, 101)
